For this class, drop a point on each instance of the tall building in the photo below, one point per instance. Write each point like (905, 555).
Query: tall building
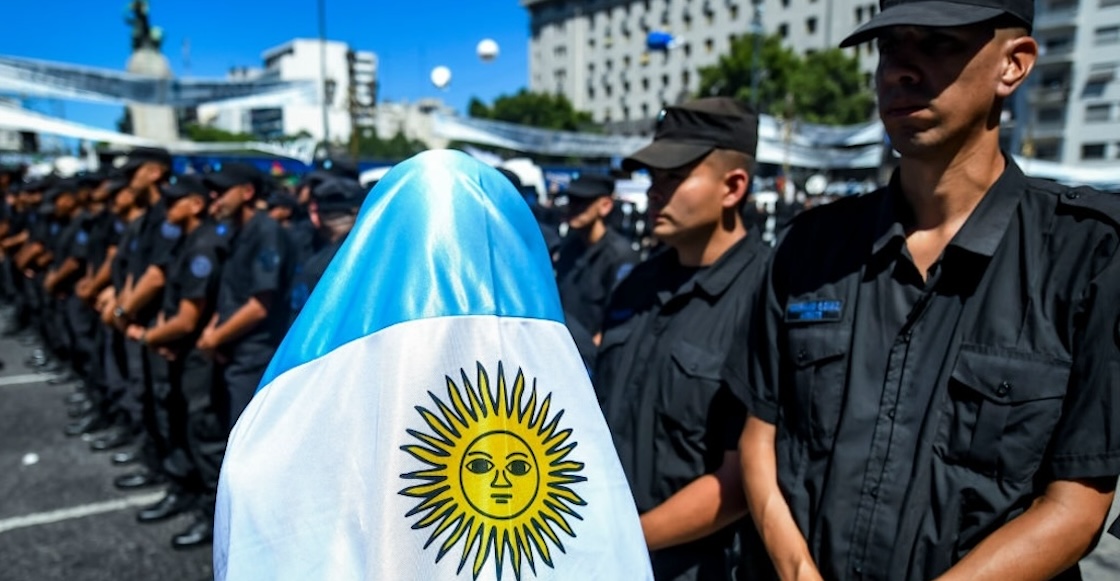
(597, 52)
(1070, 109)
(350, 92)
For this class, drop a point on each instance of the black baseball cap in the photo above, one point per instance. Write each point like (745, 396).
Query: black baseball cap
(141, 155)
(60, 187)
(179, 187)
(338, 195)
(591, 186)
(279, 199)
(233, 174)
(687, 132)
(939, 14)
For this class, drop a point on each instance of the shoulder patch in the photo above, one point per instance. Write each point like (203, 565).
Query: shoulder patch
(222, 229)
(201, 266)
(83, 238)
(170, 231)
(118, 226)
(54, 228)
(269, 259)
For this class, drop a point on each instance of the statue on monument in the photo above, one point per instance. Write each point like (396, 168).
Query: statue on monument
(144, 35)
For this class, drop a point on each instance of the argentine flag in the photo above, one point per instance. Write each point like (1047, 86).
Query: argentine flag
(428, 417)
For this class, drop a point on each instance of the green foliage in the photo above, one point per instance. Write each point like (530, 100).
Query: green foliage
(822, 87)
(397, 147)
(207, 134)
(542, 110)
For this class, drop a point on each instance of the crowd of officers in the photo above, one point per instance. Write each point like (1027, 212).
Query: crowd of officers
(163, 298)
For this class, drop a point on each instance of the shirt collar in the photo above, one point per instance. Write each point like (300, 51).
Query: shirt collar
(715, 279)
(981, 232)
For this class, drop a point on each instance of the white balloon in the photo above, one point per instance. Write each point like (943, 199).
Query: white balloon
(487, 49)
(441, 77)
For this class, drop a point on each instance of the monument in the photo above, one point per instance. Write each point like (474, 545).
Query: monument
(156, 122)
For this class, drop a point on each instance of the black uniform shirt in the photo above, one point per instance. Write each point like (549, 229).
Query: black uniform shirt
(303, 240)
(307, 275)
(586, 275)
(72, 241)
(157, 242)
(105, 232)
(128, 245)
(62, 233)
(257, 264)
(665, 338)
(916, 417)
(194, 272)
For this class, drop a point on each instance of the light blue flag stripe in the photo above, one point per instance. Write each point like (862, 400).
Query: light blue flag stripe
(391, 270)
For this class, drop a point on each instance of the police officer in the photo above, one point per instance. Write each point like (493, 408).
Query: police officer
(932, 378)
(251, 314)
(183, 377)
(668, 330)
(593, 257)
(334, 209)
(303, 234)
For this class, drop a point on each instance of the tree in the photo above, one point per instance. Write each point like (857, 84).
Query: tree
(397, 147)
(207, 134)
(542, 110)
(823, 87)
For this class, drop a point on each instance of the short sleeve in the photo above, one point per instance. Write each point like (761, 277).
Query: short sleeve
(751, 370)
(1086, 442)
(266, 268)
(200, 276)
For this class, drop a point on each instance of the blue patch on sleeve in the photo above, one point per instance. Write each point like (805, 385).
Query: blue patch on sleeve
(201, 266)
(133, 244)
(118, 226)
(814, 312)
(300, 294)
(54, 229)
(222, 229)
(170, 231)
(269, 259)
(623, 271)
(83, 238)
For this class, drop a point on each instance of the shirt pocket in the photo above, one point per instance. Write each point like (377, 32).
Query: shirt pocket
(820, 365)
(685, 405)
(1003, 407)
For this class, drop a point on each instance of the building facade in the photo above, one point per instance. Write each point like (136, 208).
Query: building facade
(1070, 110)
(597, 52)
(350, 91)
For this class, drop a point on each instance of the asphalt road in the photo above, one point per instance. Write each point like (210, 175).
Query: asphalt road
(60, 516)
(62, 519)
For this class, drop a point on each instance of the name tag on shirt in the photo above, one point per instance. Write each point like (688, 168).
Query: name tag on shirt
(814, 312)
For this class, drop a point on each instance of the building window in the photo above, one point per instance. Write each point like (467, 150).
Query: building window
(560, 51)
(785, 3)
(645, 83)
(733, 11)
(811, 25)
(1093, 150)
(1106, 35)
(607, 90)
(1099, 112)
(1108, 3)
(625, 113)
(590, 93)
(686, 78)
(1049, 150)
(1050, 115)
(626, 61)
(1094, 88)
(709, 46)
(645, 110)
(664, 81)
(783, 30)
(687, 49)
(859, 14)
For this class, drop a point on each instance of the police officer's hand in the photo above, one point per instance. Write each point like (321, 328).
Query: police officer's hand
(165, 353)
(134, 332)
(107, 312)
(106, 298)
(83, 290)
(206, 342)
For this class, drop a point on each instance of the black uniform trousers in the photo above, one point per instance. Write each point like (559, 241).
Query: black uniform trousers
(82, 323)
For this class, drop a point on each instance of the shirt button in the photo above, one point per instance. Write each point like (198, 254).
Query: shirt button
(890, 414)
(857, 568)
(1003, 389)
(1073, 194)
(802, 355)
(874, 492)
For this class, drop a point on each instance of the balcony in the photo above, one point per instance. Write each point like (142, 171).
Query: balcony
(1054, 52)
(1054, 95)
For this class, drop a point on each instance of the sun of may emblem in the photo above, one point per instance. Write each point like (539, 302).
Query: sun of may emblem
(496, 474)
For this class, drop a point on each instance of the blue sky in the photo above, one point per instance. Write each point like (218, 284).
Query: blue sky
(410, 37)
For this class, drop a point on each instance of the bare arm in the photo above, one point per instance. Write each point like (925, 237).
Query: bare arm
(772, 517)
(706, 505)
(146, 289)
(184, 323)
(14, 241)
(242, 321)
(1050, 537)
(64, 271)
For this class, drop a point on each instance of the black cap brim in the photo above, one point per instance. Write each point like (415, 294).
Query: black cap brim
(222, 183)
(932, 14)
(665, 154)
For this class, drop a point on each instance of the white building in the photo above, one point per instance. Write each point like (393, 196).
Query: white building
(595, 51)
(350, 91)
(412, 120)
(1070, 110)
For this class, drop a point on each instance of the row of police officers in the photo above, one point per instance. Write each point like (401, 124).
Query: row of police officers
(167, 296)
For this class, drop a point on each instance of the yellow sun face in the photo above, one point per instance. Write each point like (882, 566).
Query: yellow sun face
(496, 474)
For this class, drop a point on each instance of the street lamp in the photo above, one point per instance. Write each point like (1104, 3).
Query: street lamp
(327, 94)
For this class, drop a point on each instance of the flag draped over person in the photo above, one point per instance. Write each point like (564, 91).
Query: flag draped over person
(428, 415)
